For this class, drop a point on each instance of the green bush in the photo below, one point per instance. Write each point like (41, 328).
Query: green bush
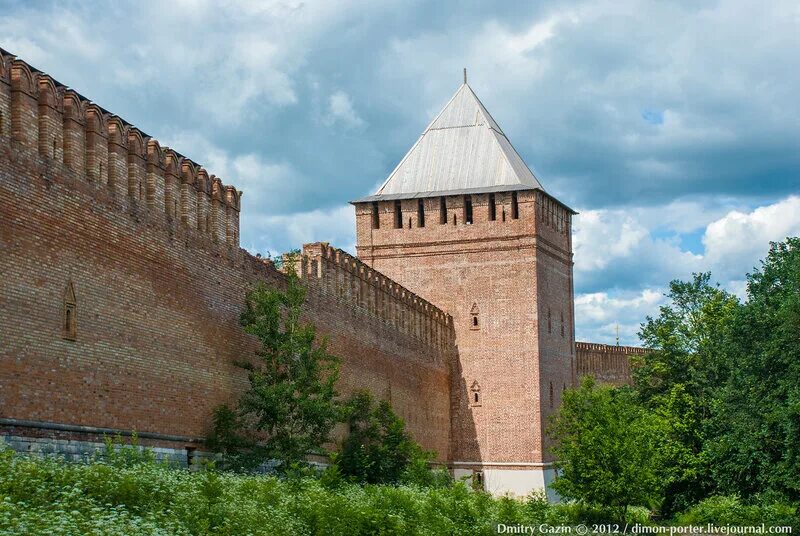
(730, 510)
(129, 494)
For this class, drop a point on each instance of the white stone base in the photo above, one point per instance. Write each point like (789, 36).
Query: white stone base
(516, 481)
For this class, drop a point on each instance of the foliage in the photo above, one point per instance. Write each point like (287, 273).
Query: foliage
(609, 448)
(379, 450)
(49, 496)
(290, 407)
(754, 436)
(729, 510)
(680, 377)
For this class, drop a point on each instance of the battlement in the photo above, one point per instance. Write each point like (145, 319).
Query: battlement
(56, 126)
(606, 363)
(338, 273)
(610, 348)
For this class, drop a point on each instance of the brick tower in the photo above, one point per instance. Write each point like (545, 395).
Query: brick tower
(464, 223)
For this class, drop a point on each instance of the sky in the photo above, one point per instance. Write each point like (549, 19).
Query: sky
(672, 127)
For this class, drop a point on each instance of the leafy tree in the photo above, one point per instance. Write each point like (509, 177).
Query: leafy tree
(291, 405)
(378, 449)
(680, 377)
(754, 436)
(609, 448)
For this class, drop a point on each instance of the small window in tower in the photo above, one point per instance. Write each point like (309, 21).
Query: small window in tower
(420, 213)
(191, 457)
(477, 480)
(54, 147)
(376, 219)
(552, 396)
(467, 210)
(409, 222)
(562, 323)
(503, 213)
(475, 394)
(442, 210)
(398, 215)
(474, 313)
(514, 206)
(455, 219)
(69, 328)
(549, 321)
(492, 208)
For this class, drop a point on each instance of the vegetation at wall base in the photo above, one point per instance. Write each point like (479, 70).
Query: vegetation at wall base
(291, 405)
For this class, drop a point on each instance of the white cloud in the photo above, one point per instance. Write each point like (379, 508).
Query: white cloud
(601, 314)
(340, 109)
(735, 242)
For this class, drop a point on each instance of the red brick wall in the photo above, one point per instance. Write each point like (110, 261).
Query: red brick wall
(512, 271)
(606, 363)
(158, 292)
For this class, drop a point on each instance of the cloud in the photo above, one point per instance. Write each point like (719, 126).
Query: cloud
(735, 242)
(603, 315)
(632, 254)
(677, 140)
(340, 109)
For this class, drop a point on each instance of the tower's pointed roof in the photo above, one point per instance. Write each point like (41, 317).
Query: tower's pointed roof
(463, 150)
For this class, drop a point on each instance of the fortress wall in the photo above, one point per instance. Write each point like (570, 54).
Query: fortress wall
(605, 363)
(148, 243)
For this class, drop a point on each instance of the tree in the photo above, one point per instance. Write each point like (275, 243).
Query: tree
(679, 379)
(754, 436)
(378, 449)
(291, 405)
(609, 448)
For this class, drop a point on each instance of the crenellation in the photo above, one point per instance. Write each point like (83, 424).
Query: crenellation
(188, 193)
(50, 122)
(172, 184)
(40, 114)
(156, 187)
(24, 106)
(96, 144)
(203, 201)
(136, 158)
(117, 157)
(74, 132)
(351, 281)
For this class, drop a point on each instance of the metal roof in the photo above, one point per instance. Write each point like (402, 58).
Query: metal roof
(463, 150)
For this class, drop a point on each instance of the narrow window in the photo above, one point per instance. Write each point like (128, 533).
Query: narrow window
(455, 219)
(514, 206)
(409, 222)
(504, 213)
(477, 480)
(376, 219)
(420, 213)
(69, 328)
(467, 210)
(562, 323)
(492, 208)
(549, 321)
(398, 215)
(551, 394)
(474, 313)
(54, 147)
(475, 394)
(442, 210)
(191, 457)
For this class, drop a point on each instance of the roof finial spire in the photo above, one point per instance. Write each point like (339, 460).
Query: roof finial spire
(465, 75)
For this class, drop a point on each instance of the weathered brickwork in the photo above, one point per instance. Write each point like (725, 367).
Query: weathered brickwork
(507, 283)
(149, 241)
(606, 363)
